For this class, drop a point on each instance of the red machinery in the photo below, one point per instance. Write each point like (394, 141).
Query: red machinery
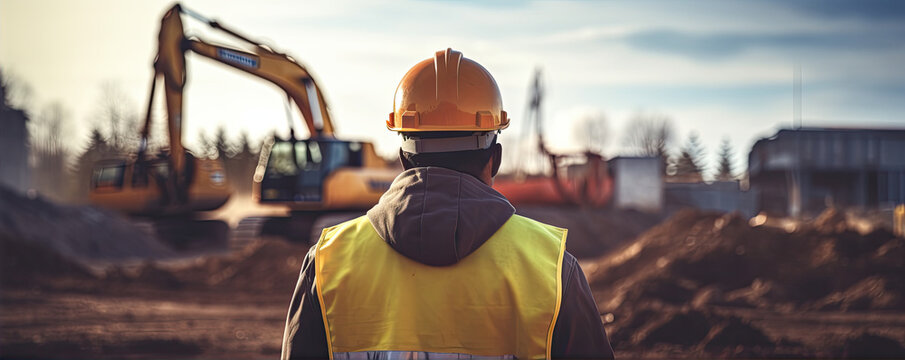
(585, 181)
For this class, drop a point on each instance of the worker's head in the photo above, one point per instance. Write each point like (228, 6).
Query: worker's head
(449, 111)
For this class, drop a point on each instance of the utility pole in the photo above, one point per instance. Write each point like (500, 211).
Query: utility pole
(796, 200)
(796, 97)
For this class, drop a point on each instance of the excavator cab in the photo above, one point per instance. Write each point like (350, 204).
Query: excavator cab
(146, 187)
(317, 173)
(296, 169)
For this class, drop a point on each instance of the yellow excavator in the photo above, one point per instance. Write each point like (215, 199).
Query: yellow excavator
(310, 177)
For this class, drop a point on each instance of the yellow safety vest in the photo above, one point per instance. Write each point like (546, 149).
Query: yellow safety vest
(502, 299)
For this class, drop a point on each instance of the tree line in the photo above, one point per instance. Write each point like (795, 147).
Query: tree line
(62, 171)
(651, 135)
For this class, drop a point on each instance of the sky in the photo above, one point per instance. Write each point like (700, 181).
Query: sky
(720, 69)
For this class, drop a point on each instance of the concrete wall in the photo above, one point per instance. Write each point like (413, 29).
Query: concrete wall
(719, 196)
(638, 183)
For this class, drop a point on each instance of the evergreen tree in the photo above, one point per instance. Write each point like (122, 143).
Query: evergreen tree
(206, 145)
(98, 148)
(216, 147)
(724, 172)
(689, 164)
(221, 145)
(244, 148)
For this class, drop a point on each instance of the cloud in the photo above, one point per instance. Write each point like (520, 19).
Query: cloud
(720, 46)
(870, 9)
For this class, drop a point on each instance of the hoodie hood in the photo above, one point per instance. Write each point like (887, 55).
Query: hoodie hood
(438, 216)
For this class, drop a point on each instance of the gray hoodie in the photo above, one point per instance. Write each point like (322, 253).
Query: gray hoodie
(438, 216)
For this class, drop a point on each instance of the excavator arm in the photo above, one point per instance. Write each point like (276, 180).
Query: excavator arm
(265, 63)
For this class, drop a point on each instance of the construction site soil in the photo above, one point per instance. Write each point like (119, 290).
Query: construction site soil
(709, 284)
(78, 282)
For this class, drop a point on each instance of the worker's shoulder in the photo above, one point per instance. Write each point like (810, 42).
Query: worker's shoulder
(529, 223)
(356, 224)
(351, 228)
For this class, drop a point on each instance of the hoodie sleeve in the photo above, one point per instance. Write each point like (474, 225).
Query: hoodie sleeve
(304, 336)
(578, 332)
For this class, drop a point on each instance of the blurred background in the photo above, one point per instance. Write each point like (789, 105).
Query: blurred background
(732, 173)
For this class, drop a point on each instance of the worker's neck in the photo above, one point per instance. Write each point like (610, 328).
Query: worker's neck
(487, 175)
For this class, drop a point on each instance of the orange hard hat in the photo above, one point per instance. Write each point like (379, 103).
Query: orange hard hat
(447, 93)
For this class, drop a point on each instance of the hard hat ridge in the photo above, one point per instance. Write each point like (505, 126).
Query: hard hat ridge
(447, 74)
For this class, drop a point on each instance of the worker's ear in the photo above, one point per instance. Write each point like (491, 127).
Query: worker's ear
(497, 159)
(405, 162)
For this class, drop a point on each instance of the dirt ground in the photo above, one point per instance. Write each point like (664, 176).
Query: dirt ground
(38, 324)
(706, 284)
(696, 285)
(229, 306)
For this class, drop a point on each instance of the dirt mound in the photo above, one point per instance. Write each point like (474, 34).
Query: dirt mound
(154, 276)
(29, 265)
(687, 328)
(759, 266)
(700, 260)
(870, 346)
(734, 333)
(593, 232)
(79, 232)
(831, 220)
(266, 265)
(758, 294)
(872, 293)
(652, 327)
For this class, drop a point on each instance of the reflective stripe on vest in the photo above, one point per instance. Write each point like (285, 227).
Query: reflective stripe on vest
(500, 300)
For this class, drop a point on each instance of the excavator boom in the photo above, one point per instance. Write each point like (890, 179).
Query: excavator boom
(265, 63)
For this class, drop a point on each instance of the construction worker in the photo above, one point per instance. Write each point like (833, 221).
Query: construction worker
(442, 267)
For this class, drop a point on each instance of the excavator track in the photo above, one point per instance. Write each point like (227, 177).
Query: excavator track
(186, 234)
(246, 232)
(299, 227)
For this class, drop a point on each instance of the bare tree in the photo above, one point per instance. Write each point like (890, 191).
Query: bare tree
(14, 92)
(650, 135)
(118, 118)
(591, 131)
(48, 155)
(46, 130)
